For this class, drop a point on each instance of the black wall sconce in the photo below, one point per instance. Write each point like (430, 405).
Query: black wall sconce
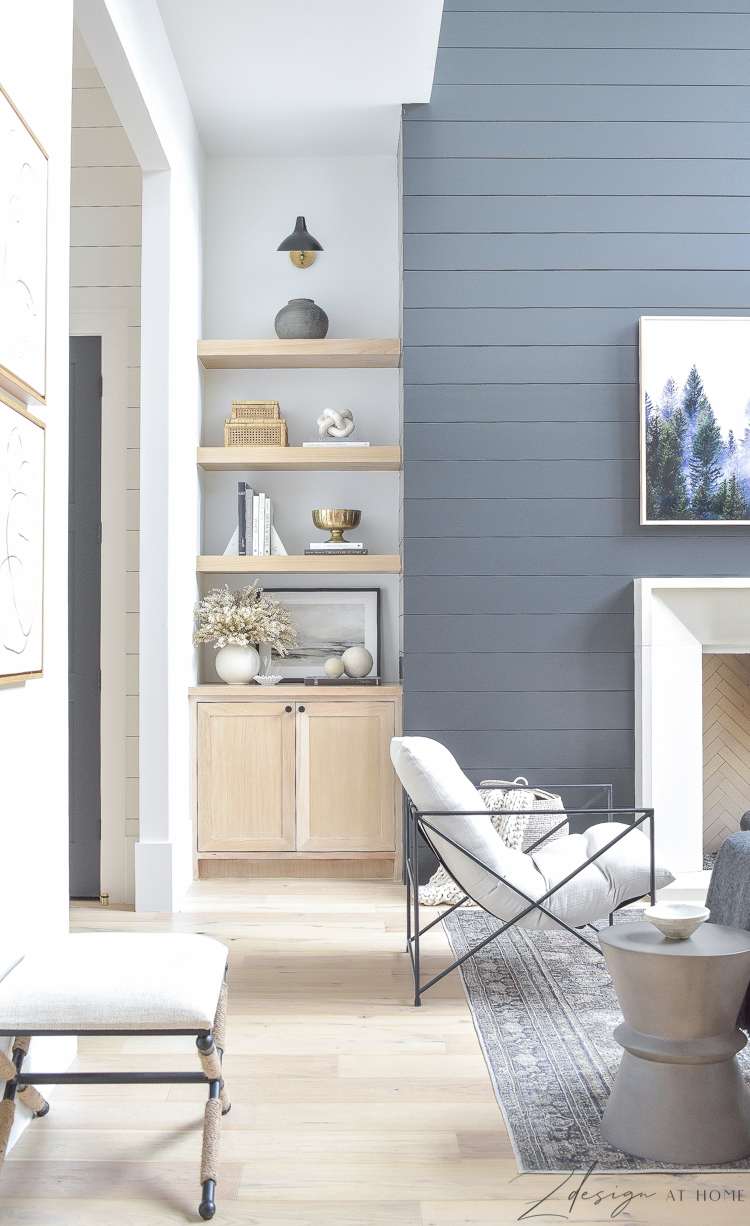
(301, 245)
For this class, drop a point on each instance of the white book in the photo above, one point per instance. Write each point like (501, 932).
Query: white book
(269, 525)
(233, 548)
(256, 513)
(327, 545)
(335, 442)
(277, 549)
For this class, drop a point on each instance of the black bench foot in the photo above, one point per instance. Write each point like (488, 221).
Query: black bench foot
(207, 1208)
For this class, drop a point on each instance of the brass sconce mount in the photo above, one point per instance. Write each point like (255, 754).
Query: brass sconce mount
(301, 245)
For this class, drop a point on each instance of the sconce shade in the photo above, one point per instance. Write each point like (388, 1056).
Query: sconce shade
(300, 239)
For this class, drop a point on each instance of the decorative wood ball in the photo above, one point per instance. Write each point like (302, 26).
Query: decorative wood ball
(334, 667)
(357, 661)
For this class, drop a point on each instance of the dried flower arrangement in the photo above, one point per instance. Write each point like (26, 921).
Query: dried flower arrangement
(246, 618)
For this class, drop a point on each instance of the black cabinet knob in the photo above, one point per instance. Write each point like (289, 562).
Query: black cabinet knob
(287, 709)
(301, 709)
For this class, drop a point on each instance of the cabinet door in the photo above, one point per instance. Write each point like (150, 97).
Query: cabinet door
(346, 793)
(245, 776)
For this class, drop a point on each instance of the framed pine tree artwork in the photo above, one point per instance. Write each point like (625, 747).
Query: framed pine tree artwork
(695, 419)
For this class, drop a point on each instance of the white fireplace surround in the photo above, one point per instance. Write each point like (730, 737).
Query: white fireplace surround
(676, 621)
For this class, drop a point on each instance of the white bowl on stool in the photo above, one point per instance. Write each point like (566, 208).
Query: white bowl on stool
(677, 921)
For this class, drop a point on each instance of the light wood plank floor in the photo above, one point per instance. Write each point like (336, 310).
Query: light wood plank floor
(350, 1107)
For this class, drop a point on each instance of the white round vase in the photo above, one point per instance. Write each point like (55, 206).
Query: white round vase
(237, 665)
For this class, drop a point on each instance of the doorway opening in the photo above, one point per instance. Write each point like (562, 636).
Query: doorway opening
(84, 615)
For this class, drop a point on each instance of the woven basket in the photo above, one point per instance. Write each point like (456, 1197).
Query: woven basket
(250, 410)
(262, 432)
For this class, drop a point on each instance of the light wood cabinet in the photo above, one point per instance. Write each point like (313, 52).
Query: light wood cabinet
(297, 776)
(246, 776)
(345, 785)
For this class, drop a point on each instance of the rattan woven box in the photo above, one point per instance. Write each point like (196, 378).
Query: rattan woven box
(261, 432)
(250, 410)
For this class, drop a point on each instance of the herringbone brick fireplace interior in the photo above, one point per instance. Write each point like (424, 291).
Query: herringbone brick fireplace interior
(726, 746)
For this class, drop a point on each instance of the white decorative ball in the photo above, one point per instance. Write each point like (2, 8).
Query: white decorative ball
(237, 665)
(334, 667)
(357, 661)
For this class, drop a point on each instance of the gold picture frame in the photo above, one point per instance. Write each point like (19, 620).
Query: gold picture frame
(23, 257)
(22, 472)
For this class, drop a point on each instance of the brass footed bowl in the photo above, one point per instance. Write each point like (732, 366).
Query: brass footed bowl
(336, 521)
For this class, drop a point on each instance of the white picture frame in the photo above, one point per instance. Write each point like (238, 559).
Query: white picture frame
(329, 621)
(22, 440)
(23, 257)
(694, 420)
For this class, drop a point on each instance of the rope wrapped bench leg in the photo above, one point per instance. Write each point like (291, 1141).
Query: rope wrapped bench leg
(31, 1098)
(7, 1112)
(210, 1057)
(210, 1153)
(28, 1095)
(211, 1131)
(219, 1034)
(211, 1063)
(220, 1021)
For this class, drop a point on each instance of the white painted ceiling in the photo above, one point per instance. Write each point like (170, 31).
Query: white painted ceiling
(283, 77)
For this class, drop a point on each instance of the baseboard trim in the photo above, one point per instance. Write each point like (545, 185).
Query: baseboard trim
(380, 869)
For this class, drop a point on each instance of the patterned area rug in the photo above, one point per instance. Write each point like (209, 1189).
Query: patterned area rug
(544, 1008)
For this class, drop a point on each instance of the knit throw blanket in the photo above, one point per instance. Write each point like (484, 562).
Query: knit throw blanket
(508, 803)
(728, 896)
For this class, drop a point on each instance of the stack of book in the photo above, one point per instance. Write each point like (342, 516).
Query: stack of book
(342, 681)
(335, 442)
(256, 534)
(346, 548)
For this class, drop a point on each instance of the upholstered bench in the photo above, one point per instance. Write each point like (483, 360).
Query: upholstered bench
(119, 984)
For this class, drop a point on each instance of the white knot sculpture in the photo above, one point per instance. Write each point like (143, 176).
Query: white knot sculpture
(335, 425)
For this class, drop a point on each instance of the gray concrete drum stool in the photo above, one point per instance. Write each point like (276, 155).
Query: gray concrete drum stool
(679, 1095)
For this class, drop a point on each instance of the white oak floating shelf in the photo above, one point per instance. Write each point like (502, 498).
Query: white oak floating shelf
(299, 459)
(299, 564)
(350, 353)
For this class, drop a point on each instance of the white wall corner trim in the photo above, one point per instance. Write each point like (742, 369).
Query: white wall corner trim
(153, 877)
(106, 40)
(129, 46)
(676, 621)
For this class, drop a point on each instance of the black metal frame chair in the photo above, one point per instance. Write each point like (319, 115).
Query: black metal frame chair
(416, 823)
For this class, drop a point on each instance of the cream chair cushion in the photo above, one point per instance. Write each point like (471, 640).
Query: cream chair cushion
(434, 781)
(115, 981)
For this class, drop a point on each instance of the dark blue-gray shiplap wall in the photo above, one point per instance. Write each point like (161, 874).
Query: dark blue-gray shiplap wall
(577, 167)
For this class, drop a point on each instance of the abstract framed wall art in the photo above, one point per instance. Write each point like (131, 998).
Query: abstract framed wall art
(695, 419)
(329, 620)
(23, 257)
(21, 542)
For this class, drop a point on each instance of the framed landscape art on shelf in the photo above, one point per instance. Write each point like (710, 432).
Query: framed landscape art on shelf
(23, 256)
(329, 620)
(695, 419)
(21, 543)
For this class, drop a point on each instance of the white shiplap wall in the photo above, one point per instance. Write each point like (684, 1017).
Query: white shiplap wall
(105, 269)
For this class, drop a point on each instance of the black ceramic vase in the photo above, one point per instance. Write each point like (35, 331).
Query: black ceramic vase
(301, 320)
